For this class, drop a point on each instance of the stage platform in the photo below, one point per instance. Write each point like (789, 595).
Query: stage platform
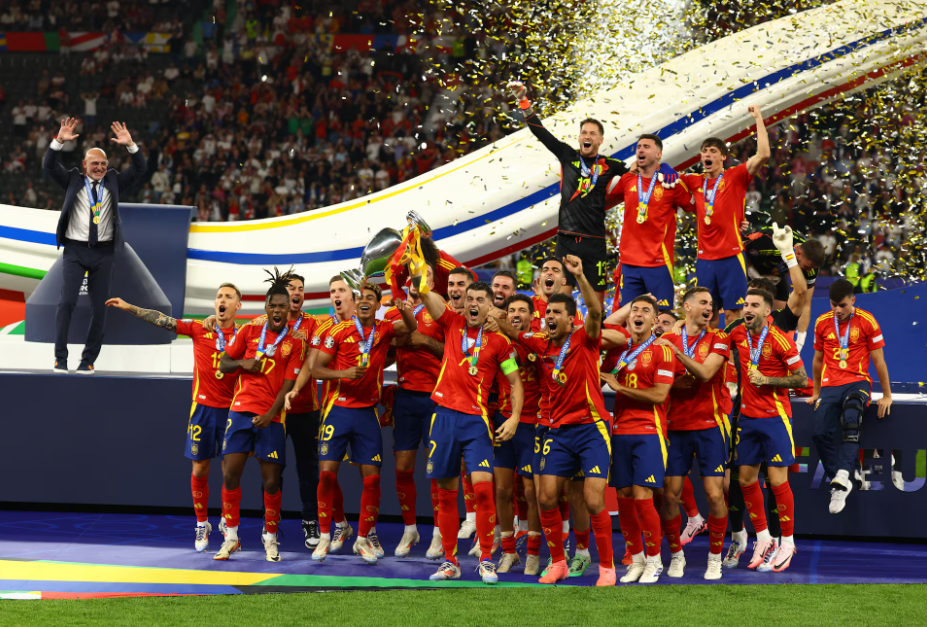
(62, 555)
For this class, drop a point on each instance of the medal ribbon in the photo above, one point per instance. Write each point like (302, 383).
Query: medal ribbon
(689, 352)
(96, 206)
(755, 353)
(476, 348)
(259, 355)
(710, 197)
(220, 338)
(625, 358)
(417, 310)
(558, 365)
(585, 172)
(843, 339)
(644, 200)
(368, 343)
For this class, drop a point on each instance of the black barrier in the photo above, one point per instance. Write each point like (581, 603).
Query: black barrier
(118, 441)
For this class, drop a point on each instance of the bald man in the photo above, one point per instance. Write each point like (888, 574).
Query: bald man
(91, 233)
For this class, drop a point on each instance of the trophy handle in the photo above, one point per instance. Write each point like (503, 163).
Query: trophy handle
(417, 220)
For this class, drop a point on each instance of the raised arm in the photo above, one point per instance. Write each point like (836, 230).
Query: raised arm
(51, 164)
(757, 161)
(561, 150)
(593, 323)
(133, 174)
(150, 316)
(408, 323)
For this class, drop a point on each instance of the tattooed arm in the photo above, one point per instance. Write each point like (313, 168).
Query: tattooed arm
(150, 316)
(797, 379)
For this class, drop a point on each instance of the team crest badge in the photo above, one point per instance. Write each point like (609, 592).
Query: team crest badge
(646, 357)
(703, 350)
(194, 449)
(426, 317)
(329, 342)
(324, 449)
(430, 467)
(658, 192)
(854, 334)
(543, 461)
(767, 349)
(285, 349)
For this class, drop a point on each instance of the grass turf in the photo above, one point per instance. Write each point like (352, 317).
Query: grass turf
(763, 605)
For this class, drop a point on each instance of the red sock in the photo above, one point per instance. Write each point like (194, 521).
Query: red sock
(564, 505)
(337, 503)
(658, 507)
(469, 495)
(521, 503)
(405, 490)
(672, 529)
(327, 484)
(552, 524)
(485, 517)
(534, 545)
(582, 538)
(630, 525)
(785, 503)
(602, 527)
(231, 501)
(370, 505)
(272, 510)
(688, 498)
(717, 527)
(200, 488)
(435, 500)
(753, 499)
(448, 523)
(508, 544)
(650, 525)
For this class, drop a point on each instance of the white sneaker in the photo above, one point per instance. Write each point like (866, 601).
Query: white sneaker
(436, 550)
(760, 551)
(653, 568)
(508, 562)
(448, 570)
(767, 564)
(223, 528)
(363, 548)
(202, 537)
(487, 571)
(467, 529)
(635, 570)
(271, 551)
(475, 550)
(840, 488)
(677, 567)
(228, 547)
(713, 572)
(898, 480)
(341, 535)
(532, 564)
(322, 548)
(694, 527)
(375, 543)
(409, 538)
(732, 559)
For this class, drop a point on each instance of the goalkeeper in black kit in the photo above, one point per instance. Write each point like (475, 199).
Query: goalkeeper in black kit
(585, 175)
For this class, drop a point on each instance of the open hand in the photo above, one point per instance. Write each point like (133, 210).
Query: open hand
(123, 137)
(66, 132)
(118, 303)
(885, 406)
(506, 430)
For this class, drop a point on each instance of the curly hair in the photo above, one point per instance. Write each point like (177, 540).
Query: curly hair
(278, 282)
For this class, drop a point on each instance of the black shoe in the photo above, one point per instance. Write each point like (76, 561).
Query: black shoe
(85, 368)
(311, 531)
(61, 367)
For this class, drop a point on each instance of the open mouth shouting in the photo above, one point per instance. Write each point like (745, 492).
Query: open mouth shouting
(277, 318)
(706, 315)
(637, 324)
(455, 300)
(364, 308)
(222, 309)
(749, 318)
(587, 145)
(473, 314)
(549, 284)
(295, 302)
(707, 163)
(551, 326)
(337, 304)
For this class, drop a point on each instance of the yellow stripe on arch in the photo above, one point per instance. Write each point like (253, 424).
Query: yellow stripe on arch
(59, 571)
(315, 215)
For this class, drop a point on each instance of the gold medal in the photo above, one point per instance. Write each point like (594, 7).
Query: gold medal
(707, 220)
(472, 371)
(532, 356)
(843, 363)
(219, 374)
(640, 218)
(96, 219)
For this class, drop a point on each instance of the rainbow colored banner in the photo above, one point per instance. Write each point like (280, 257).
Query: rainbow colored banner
(79, 41)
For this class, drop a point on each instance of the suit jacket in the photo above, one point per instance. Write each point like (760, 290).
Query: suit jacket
(73, 182)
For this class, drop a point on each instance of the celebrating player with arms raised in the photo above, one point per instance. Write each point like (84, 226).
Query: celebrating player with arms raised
(212, 391)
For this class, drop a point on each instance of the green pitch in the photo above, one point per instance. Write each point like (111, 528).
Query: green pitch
(714, 605)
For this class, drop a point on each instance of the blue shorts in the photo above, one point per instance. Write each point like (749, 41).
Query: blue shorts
(205, 431)
(762, 440)
(635, 281)
(726, 279)
(411, 416)
(638, 460)
(540, 434)
(241, 436)
(357, 426)
(454, 434)
(517, 453)
(571, 449)
(708, 446)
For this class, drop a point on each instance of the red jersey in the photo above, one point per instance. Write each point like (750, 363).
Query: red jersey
(612, 355)
(778, 358)
(650, 244)
(342, 342)
(446, 263)
(207, 389)
(539, 320)
(721, 238)
(418, 368)
(256, 392)
(701, 406)
(580, 401)
(456, 389)
(324, 325)
(308, 400)
(655, 364)
(865, 337)
(530, 374)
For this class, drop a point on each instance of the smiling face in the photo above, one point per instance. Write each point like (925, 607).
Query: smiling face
(551, 278)
(642, 318)
(712, 160)
(226, 305)
(699, 309)
(755, 312)
(277, 307)
(519, 315)
(477, 304)
(367, 307)
(648, 154)
(589, 140)
(559, 322)
(95, 164)
(664, 324)
(502, 288)
(341, 298)
(456, 290)
(295, 289)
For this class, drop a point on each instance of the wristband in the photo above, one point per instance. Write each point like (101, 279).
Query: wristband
(789, 259)
(524, 104)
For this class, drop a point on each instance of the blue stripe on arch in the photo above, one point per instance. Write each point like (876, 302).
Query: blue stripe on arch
(463, 226)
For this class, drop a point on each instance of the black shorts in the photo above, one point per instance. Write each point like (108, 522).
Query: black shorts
(592, 251)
